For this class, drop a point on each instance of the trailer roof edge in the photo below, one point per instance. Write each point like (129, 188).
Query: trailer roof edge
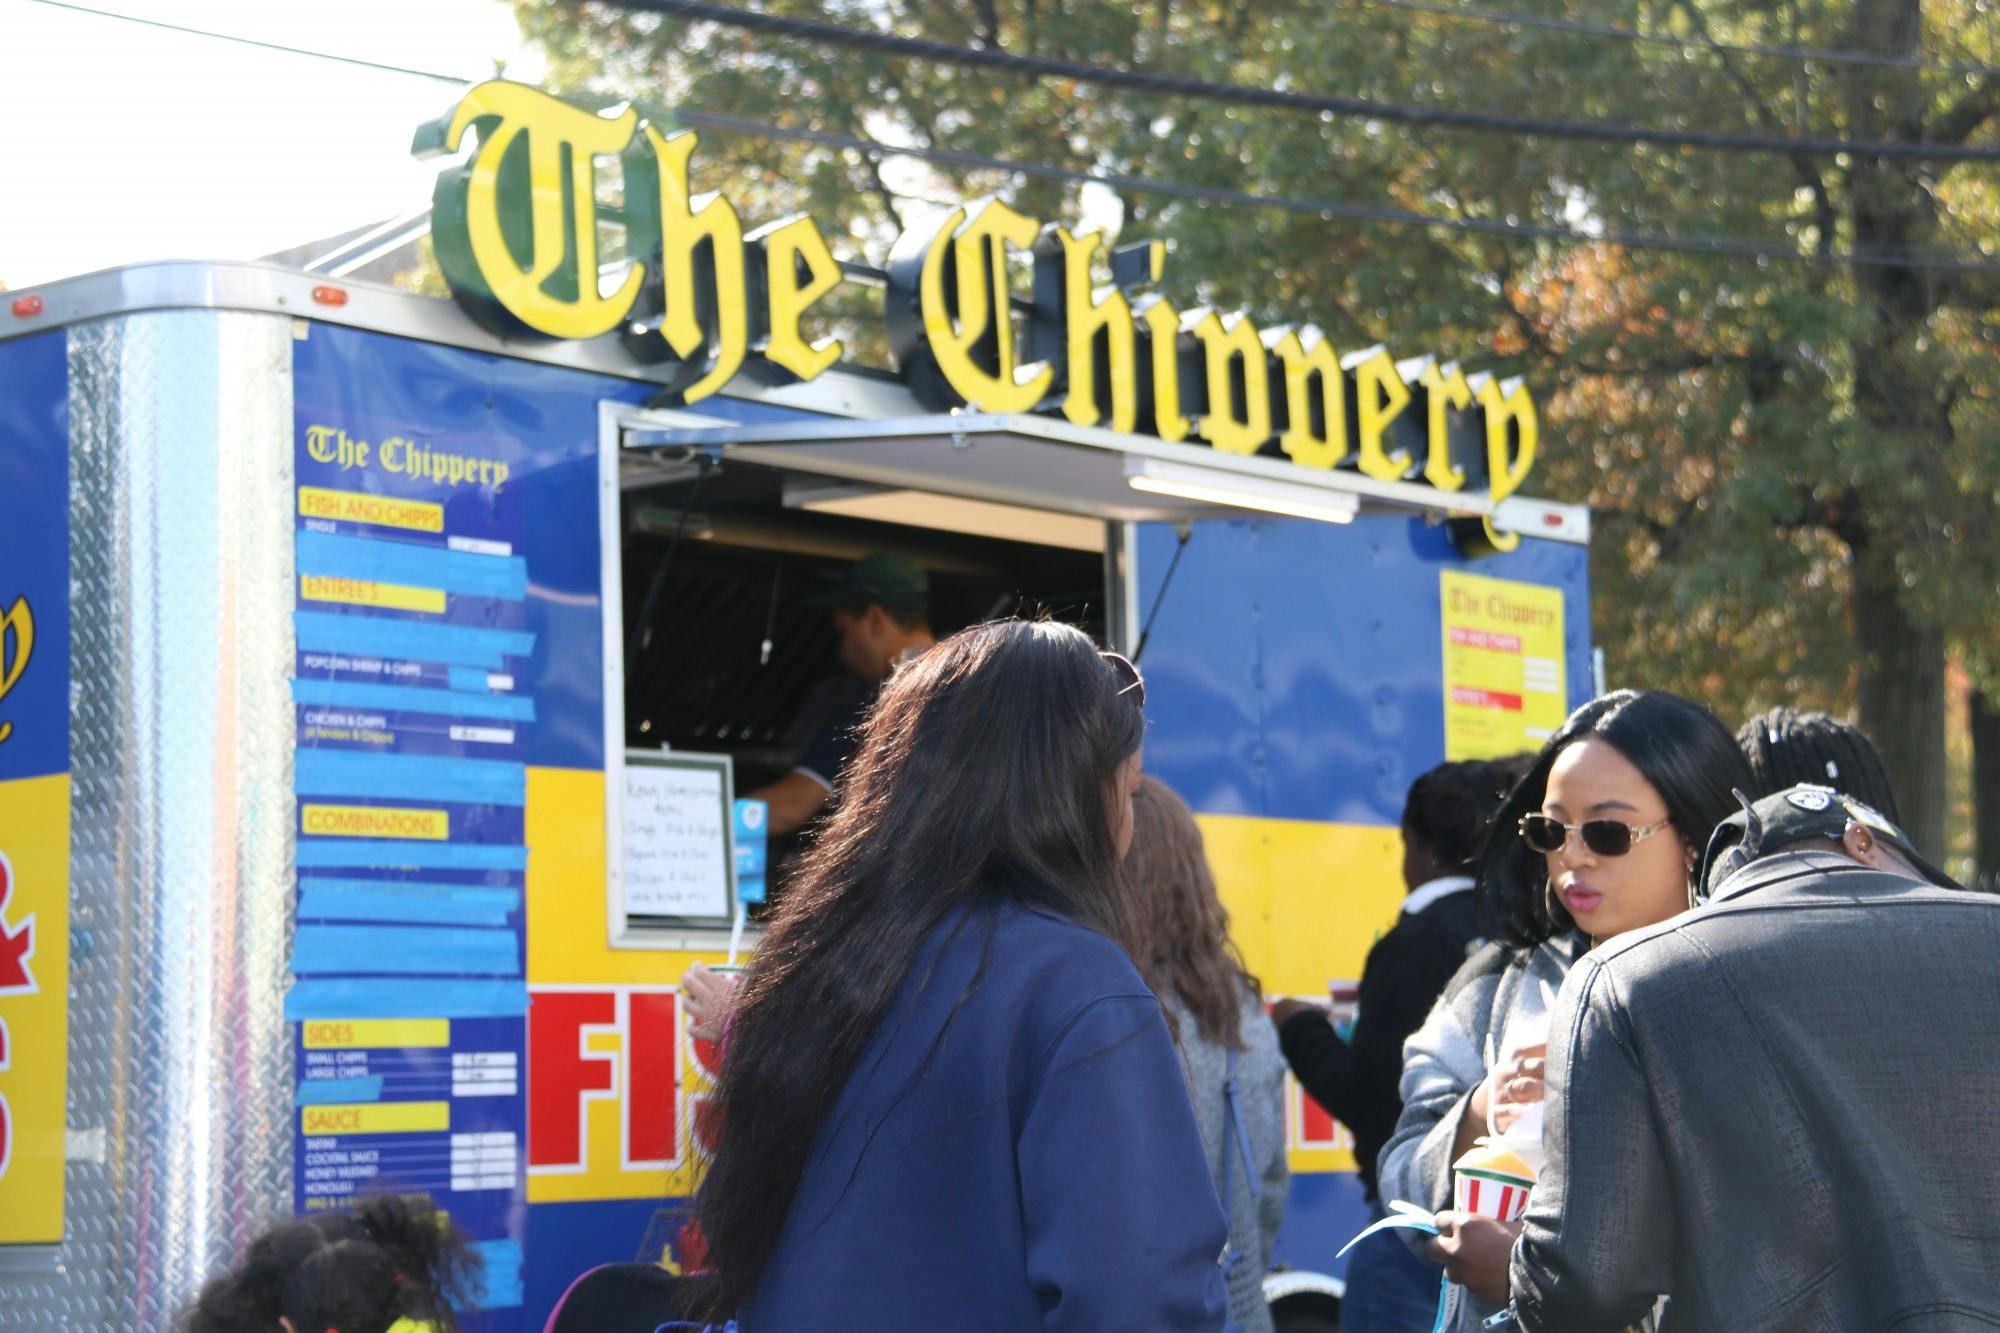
(272, 289)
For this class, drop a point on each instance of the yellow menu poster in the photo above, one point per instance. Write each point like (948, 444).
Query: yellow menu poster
(1504, 688)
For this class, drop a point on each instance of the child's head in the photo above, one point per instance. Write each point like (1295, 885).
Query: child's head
(347, 1272)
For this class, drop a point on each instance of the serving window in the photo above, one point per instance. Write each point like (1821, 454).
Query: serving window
(724, 668)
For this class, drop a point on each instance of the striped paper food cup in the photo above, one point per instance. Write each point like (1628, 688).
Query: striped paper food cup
(1492, 1182)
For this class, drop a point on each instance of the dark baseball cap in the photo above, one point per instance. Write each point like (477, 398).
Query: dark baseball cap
(886, 579)
(1795, 815)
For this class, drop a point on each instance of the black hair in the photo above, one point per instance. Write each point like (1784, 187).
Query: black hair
(1449, 807)
(1680, 748)
(1786, 747)
(357, 1271)
(986, 774)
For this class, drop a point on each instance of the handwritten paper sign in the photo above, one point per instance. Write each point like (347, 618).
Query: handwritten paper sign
(676, 854)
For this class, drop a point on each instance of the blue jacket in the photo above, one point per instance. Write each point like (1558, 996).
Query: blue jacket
(1029, 1162)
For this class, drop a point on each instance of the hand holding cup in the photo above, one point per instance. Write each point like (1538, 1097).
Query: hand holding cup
(1283, 1010)
(1515, 1084)
(1475, 1251)
(708, 994)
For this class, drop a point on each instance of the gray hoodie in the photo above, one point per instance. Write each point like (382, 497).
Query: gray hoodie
(1260, 1082)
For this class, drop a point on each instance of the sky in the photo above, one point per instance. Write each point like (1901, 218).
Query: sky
(121, 142)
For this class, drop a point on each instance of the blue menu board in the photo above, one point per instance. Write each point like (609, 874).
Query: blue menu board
(417, 711)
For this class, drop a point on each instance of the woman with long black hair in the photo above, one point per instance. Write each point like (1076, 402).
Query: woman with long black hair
(947, 1098)
(1600, 837)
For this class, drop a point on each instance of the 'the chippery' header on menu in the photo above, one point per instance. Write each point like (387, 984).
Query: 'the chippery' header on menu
(516, 230)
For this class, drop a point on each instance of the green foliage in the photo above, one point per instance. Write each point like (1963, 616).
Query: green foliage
(1741, 428)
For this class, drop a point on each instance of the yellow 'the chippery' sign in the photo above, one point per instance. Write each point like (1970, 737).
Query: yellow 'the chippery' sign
(516, 228)
(1504, 686)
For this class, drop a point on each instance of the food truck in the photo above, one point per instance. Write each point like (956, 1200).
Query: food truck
(380, 673)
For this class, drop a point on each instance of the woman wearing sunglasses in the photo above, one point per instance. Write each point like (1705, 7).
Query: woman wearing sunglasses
(1599, 838)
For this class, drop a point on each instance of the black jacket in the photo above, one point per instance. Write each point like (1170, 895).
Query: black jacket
(1356, 1080)
(1777, 1108)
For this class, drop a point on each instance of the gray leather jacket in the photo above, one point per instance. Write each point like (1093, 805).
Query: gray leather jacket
(1778, 1108)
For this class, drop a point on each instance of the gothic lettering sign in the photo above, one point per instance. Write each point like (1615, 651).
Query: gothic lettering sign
(516, 225)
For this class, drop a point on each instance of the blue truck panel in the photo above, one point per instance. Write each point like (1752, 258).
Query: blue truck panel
(1295, 670)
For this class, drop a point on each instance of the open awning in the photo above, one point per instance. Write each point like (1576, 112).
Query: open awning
(1047, 463)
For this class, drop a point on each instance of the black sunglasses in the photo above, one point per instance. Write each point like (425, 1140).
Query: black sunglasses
(1127, 677)
(1607, 837)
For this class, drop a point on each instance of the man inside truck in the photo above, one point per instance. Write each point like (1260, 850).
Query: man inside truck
(881, 613)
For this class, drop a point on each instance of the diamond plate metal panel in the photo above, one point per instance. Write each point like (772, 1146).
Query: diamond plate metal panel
(181, 737)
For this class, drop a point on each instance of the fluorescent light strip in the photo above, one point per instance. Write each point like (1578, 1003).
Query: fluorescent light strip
(1242, 492)
(951, 513)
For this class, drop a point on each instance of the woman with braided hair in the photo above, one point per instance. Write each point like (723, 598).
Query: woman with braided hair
(390, 1265)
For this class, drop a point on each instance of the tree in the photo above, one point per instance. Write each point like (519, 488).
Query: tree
(1794, 463)
(1986, 786)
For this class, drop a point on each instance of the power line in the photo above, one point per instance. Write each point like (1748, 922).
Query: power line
(1724, 246)
(256, 42)
(1715, 246)
(813, 30)
(1824, 55)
